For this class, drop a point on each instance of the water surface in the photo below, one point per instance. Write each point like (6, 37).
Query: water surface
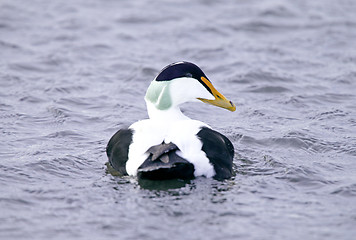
(73, 73)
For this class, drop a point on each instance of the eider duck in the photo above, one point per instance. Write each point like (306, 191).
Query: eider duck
(169, 144)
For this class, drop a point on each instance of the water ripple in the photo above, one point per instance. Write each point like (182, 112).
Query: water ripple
(73, 73)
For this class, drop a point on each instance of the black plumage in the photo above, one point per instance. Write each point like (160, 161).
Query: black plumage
(182, 69)
(117, 149)
(219, 150)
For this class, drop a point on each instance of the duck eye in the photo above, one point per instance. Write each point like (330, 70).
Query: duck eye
(189, 75)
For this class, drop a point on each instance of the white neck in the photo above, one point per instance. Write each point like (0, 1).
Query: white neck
(164, 97)
(171, 114)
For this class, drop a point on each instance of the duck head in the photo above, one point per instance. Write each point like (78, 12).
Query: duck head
(182, 82)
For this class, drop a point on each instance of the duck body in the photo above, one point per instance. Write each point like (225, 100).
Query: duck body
(169, 144)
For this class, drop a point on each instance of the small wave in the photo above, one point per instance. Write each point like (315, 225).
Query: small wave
(9, 80)
(264, 165)
(59, 114)
(65, 134)
(4, 45)
(296, 101)
(265, 26)
(348, 78)
(268, 77)
(267, 89)
(283, 142)
(40, 67)
(300, 141)
(347, 191)
(16, 201)
(96, 50)
(31, 67)
(278, 10)
(144, 20)
(66, 89)
(320, 100)
(13, 174)
(305, 176)
(32, 99)
(149, 72)
(70, 167)
(337, 113)
(75, 101)
(333, 98)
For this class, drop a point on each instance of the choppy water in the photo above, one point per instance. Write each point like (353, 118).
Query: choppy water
(73, 72)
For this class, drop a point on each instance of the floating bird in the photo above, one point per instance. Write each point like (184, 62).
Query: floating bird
(169, 144)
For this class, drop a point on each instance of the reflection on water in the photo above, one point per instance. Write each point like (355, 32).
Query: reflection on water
(162, 185)
(72, 74)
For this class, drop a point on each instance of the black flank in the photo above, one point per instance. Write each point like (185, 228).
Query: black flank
(219, 151)
(117, 149)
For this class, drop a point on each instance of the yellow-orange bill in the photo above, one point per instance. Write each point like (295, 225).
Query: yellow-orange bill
(220, 100)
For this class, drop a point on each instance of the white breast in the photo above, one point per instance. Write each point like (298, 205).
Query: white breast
(148, 133)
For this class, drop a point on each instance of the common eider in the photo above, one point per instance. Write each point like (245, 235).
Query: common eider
(169, 144)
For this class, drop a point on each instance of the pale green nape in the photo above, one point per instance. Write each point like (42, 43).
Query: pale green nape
(158, 93)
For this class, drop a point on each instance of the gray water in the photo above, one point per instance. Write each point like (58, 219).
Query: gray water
(73, 72)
